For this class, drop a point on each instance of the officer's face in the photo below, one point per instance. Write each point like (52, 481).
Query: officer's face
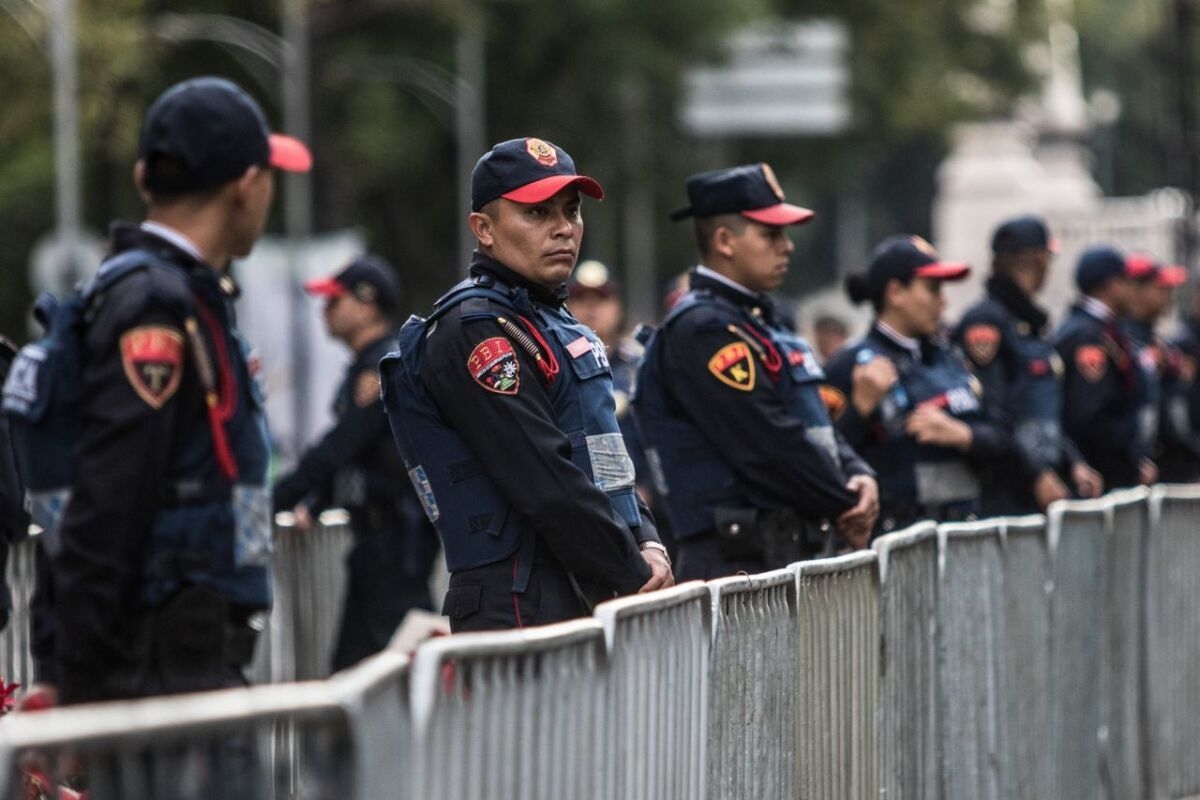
(539, 241)
(759, 256)
(1148, 301)
(345, 316)
(917, 308)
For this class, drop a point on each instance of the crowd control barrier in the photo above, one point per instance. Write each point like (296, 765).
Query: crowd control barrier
(1027, 658)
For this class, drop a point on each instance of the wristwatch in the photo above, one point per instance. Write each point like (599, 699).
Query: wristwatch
(650, 544)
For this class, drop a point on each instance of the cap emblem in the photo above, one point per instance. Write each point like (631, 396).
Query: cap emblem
(924, 246)
(772, 181)
(541, 152)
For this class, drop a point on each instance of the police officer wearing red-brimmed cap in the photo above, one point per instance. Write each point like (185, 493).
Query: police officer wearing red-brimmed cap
(728, 398)
(161, 555)
(905, 400)
(1104, 391)
(501, 405)
(1004, 338)
(355, 466)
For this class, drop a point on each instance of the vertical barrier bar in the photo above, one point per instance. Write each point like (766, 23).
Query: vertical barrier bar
(971, 667)
(838, 676)
(658, 649)
(1173, 642)
(16, 663)
(1028, 701)
(1078, 533)
(752, 680)
(375, 694)
(908, 744)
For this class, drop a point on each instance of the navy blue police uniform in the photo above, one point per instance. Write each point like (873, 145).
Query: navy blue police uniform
(14, 521)
(501, 406)
(355, 466)
(729, 405)
(1179, 464)
(1104, 390)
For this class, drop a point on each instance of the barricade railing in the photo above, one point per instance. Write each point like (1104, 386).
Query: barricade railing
(376, 695)
(752, 687)
(838, 668)
(16, 662)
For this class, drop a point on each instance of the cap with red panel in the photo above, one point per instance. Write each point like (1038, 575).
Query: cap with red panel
(527, 170)
(369, 279)
(205, 132)
(751, 190)
(905, 257)
(1146, 269)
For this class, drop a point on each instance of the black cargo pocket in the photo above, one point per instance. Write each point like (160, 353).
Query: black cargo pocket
(461, 601)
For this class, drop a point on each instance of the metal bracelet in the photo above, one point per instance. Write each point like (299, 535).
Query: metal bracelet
(652, 545)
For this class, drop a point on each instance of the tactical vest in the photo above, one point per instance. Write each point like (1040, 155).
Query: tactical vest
(1035, 397)
(476, 522)
(691, 475)
(210, 529)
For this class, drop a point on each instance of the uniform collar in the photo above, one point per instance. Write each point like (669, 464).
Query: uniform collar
(1096, 308)
(482, 264)
(907, 343)
(1007, 293)
(175, 248)
(172, 236)
(701, 278)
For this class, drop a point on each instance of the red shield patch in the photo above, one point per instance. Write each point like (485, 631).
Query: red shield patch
(1092, 362)
(733, 365)
(542, 152)
(152, 356)
(834, 400)
(494, 366)
(983, 342)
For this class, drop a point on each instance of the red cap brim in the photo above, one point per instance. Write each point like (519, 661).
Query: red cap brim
(289, 154)
(1054, 245)
(1172, 276)
(324, 287)
(782, 214)
(945, 271)
(546, 188)
(1137, 266)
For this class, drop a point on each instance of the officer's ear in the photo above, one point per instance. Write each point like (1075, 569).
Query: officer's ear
(246, 184)
(139, 180)
(722, 241)
(483, 225)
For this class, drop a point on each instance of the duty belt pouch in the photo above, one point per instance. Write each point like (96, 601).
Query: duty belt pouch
(738, 534)
(788, 537)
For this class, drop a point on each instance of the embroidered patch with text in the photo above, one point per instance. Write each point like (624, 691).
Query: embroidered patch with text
(152, 356)
(1092, 362)
(983, 342)
(733, 365)
(494, 366)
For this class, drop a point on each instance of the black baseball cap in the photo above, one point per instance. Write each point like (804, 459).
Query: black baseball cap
(1026, 232)
(1099, 264)
(210, 132)
(369, 278)
(592, 276)
(750, 190)
(906, 257)
(527, 170)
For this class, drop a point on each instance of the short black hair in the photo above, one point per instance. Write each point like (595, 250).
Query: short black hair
(705, 227)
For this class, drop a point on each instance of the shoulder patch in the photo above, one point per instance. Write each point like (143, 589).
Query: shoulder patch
(152, 356)
(733, 365)
(494, 366)
(982, 343)
(366, 388)
(1092, 362)
(834, 400)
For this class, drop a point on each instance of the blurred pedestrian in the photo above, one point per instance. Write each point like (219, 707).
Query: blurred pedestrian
(1003, 337)
(729, 403)
(356, 467)
(908, 403)
(830, 335)
(501, 404)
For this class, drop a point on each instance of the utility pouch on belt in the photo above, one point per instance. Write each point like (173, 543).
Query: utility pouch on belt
(738, 533)
(788, 537)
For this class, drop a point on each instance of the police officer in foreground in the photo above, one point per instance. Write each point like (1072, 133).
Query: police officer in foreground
(355, 466)
(729, 402)
(1003, 337)
(905, 400)
(501, 405)
(1104, 391)
(162, 556)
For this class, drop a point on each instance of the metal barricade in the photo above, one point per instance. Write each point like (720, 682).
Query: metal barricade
(1173, 642)
(16, 663)
(515, 714)
(1078, 532)
(752, 687)
(908, 745)
(971, 667)
(375, 693)
(264, 742)
(1027, 699)
(658, 647)
(838, 670)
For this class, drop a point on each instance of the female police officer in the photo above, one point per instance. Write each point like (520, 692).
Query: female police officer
(904, 400)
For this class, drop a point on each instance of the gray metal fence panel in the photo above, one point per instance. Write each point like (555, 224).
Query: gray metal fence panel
(907, 729)
(375, 693)
(513, 715)
(1078, 532)
(838, 672)
(16, 663)
(972, 671)
(752, 687)
(1173, 641)
(1027, 699)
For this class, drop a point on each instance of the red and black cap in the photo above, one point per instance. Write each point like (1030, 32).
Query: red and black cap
(368, 278)
(526, 170)
(205, 132)
(750, 190)
(1026, 232)
(1148, 269)
(906, 257)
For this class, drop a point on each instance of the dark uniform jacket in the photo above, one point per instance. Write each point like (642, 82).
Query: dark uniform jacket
(1104, 392)
(1168, 436)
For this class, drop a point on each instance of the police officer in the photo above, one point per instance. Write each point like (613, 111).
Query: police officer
(1186, 345)
(355, 466)
(729, 403)
(1003, 338)
(501, 405)
(1104, 391)
(162, 554)
(905, 399)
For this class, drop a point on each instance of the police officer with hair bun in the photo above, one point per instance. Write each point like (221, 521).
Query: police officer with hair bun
(907, 402)
(501, 404)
